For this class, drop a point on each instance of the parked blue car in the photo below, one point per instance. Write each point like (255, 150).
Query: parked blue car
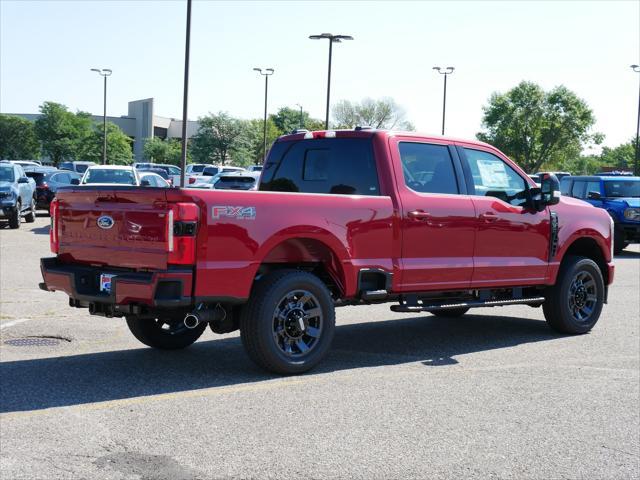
(16, 195)
(619, 195)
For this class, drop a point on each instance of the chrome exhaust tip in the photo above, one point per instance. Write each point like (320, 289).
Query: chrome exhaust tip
(191, 321)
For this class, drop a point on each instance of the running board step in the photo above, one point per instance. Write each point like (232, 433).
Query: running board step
(470, 304)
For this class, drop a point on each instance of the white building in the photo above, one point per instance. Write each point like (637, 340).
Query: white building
(139, 124)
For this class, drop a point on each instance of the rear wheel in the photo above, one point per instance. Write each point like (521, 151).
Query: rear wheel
(14, 219)
(163, 333)
(288, 325)
(31, 216)
(450, 312)
(573, 305)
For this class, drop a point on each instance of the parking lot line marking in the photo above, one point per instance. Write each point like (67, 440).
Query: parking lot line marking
(14, 322)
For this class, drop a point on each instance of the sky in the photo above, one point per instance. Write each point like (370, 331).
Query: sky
(48, 47)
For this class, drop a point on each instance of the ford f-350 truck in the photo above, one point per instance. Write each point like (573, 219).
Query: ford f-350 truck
(354, 217)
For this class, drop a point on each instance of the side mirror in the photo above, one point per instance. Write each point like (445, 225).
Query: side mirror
(75, 181)
(550, 189)
(23, 180)
(145, 183)
(593, 195)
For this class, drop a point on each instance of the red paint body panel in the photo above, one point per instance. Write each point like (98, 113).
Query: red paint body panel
(452, 248)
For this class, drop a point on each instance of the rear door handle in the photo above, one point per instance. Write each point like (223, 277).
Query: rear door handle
(489, 217)
(419, 215)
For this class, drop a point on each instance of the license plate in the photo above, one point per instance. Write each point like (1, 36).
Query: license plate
(105, 282)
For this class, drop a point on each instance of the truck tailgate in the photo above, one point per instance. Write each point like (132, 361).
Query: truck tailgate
(123, 227)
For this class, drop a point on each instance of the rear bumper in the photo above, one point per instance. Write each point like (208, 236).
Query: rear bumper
(162, 289)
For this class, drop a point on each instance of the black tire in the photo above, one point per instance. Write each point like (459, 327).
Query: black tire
(618, 241)
(14, 219)
(173, 336)
(270, 324)
(450, 312)
(573, 305)
(31, 216)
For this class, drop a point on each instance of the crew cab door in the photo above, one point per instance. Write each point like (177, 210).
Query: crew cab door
(437, 218)
(512, 239)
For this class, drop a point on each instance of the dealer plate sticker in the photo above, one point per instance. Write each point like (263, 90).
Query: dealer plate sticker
(105, 282)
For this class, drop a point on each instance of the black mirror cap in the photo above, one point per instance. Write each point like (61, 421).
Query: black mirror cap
(23, 180)
(75, 181)
(593, 195)
(145, 183)
(550, 187)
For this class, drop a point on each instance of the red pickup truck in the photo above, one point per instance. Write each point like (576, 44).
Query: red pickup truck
(342, 218)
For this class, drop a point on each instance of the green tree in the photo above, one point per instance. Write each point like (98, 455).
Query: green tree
(217, 136)
(384, 113)
(289, 119)
(621, 156)
(18, 139)
(163, 151)
(59, 131)
(537, 128)
(118, 145)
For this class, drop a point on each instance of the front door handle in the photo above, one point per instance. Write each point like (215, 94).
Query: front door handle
(419, 215)
(488, 217)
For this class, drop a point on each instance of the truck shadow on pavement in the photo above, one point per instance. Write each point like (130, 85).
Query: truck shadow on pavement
(98, 377)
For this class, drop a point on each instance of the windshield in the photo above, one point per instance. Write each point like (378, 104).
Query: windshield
(197, 168)
(104, 175)
(235, 183)
(622, 188)
(6, 174)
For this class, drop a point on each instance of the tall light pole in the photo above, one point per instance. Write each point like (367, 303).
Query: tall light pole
(104, 72)
(332, 39)
(301, 117)
(266, 72)
(636, 167)
(185, 96)
(446, 72)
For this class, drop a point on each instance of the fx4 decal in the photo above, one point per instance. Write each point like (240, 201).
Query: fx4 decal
(227, 211)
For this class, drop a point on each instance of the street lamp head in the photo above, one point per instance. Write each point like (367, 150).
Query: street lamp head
(444, 71)
(436, 68)
(105, 72)
(95, 70)
(636, 68)
(342, 37)
(258, 69)
(269, 71)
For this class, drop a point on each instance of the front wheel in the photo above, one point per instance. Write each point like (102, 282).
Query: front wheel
(164, 334)
(288, 325)
(14, 218)
(573, 305)
(31, 216)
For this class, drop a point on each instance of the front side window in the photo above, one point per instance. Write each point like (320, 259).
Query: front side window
(578, 189)
(592, 187)
(565, 186)
(342, 166)
(428, 168)
(492, 177)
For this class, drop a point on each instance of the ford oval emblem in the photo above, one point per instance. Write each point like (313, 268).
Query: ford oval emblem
(105, 222)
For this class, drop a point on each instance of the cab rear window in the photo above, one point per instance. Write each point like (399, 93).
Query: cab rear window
(340, 166)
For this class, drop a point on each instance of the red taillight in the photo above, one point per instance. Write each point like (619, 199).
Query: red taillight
(43, 186)
(182, 225)
(192, 180)
(54, 233)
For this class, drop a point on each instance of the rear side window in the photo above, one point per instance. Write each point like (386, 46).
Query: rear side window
(343, 166)
(428, 168)
(592, 187)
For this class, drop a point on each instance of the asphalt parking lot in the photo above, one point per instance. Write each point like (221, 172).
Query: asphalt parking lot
(495, 394)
